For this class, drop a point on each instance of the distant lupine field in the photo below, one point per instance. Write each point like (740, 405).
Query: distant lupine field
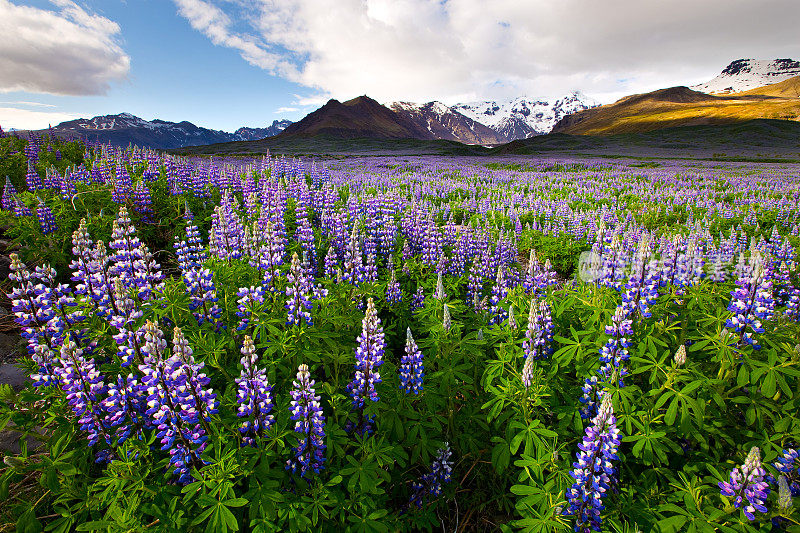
(401, 344)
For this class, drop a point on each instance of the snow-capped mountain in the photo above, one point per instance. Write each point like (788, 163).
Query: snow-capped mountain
(524, 117)
(446, 123)
(745, 74)
(254, 134)
(125, 128)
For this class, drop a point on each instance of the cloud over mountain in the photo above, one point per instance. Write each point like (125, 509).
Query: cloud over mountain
(457, 50)
(66, 50)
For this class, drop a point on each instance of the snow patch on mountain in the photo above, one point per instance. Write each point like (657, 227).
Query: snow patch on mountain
(745, 74)
(524, 117)
(446, 123)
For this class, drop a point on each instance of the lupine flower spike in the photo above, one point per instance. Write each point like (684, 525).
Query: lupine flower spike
(412, 369)
(747, 483)
(369, 357)
(253, 396)
(680, 355)
(431, 484)
(594, 469)
(309, 426)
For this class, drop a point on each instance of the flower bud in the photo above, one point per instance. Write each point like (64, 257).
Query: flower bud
(680, 355)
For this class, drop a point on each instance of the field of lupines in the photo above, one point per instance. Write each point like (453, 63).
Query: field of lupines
(401, 344)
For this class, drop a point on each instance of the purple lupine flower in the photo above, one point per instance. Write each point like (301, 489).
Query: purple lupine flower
(128, 338)
(751, 302)
(298, 289)
(718, 274)
(546, 276)
(197, 393)
(171, 408)
(203, 297)
(20, 209)
(370, 270)
(786, 293)
(512, 319)
(418, 300)
(253, 396)
(614, 258)
(147, 274)
(394, 294)
(614, 353)
(190, 251)
(226, 238)
(46, 219)
(412, 368)
(142, 202)
(34, 312)
(499, 292)
(83, 383)
(250, 300)
(122, 184)
(66, 312)
(32, 178)
(594, 469)
(527, 372)
(305, 233)
(45, 310)
(369, 356)
(788, 464)
(309, 425)
(331, 262)
(641, 289)
(182, 255)
(475, 282)
(430, 486)
(270, 255)
(103, 281)
(84, 264)
(539, 333)
(353, 263)
(747, 483)
(9, 193)
(126, 408)
(126, 246)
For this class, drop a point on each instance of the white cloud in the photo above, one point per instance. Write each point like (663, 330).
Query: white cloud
(63, 51)
(287, 110)
(26, 119)
(29, 104)
(456, 50)
(212, 22)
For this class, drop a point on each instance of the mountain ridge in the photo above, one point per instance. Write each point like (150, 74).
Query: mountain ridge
(446, 123)
(126, 128)
(744, 74)
(682, 106)
(524, 117)
(360, 117)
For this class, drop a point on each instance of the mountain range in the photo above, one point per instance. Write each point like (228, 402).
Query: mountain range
(747, 89)
(745, 74)
(487, 123)
(493, 122)
(682, 106)
(523, 117)
(125, 128)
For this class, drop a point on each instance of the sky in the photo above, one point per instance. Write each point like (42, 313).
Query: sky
(224, 64)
